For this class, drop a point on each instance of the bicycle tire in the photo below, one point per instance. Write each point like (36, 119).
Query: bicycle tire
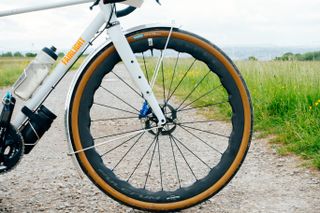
(81, 125)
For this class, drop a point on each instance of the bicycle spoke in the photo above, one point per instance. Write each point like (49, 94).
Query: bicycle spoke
(200, 130)
(156, 70)
(160, 60)
(164, 86)
(160, 165)
(107, 142)
(182, 79)
(145, 66)
(205, 106)
(173, 75)
(115, 108)
(142, 158)
(192, 152)
(207, 93)
(120, 145)
(175, 162)
(121, 79)
(114, 119)
(185, 160)
(127, 152)
(194, 89)
(122, 133)
(150, 163)
(200, 139)
(123, 101)
(196, 122)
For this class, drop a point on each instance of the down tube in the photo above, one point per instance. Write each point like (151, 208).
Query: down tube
(64, 65)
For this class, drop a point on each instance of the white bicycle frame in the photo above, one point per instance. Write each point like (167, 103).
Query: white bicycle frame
(106, 15)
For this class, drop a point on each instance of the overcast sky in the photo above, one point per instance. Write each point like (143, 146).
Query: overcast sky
(225, 23)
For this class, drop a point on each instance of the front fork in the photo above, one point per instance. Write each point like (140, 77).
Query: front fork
(131, 63)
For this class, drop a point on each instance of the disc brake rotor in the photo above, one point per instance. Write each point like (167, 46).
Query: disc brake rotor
(169, 127)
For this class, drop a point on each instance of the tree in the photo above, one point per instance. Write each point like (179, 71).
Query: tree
(31, 55)
(309, 56)
(252, 58)
(61, 54)
(17, 54)
(288, 57)
(7, 54)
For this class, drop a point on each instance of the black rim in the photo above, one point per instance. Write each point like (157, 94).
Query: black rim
(177, 146)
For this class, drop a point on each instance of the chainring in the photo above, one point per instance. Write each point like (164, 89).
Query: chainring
(11, 149)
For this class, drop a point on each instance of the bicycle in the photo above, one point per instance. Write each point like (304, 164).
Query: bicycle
(193, 79)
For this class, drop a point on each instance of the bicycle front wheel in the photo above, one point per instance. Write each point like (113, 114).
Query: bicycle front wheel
(185, 162)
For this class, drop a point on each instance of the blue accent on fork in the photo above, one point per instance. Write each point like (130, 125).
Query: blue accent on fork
(7, 97)
(145, 110)
(8, 94)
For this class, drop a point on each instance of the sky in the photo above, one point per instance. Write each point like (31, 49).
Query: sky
(248, 23)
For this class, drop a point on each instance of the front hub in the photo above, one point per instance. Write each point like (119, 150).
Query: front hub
(169, 127)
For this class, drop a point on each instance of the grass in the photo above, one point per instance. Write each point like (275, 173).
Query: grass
(286, 100)
(12, 67)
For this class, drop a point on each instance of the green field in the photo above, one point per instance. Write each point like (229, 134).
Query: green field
(285, 96)
(12, 67)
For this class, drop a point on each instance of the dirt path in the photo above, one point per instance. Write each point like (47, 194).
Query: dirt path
(46, 180)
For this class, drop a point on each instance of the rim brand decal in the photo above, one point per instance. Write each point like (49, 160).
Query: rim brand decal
(73, 51)
(139, 36)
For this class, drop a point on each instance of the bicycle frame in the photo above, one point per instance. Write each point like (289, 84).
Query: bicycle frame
(106, 15)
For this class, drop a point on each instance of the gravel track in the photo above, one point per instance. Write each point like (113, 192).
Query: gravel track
(46, 180)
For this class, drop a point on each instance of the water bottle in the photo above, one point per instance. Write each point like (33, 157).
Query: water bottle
(35, 73)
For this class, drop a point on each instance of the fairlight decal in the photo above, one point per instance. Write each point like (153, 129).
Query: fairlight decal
(73, 51)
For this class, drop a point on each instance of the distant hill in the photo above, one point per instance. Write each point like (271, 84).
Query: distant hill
(309, 56)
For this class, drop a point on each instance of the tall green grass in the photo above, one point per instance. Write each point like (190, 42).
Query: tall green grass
(286, 100)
